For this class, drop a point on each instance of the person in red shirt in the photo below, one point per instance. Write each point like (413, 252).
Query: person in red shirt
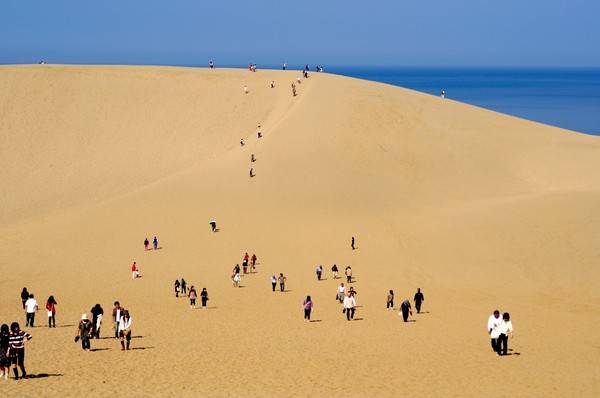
(134, 271)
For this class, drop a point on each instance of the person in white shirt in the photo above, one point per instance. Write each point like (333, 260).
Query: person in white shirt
(492, 328)
(506, 330)
(31, 307)
(341, 292)
(349, 306)
(125, 329)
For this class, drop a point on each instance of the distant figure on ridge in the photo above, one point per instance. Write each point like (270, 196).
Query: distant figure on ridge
(284, 66)
(272, 83)
(252, 158)
(443, 95)
(241, 142)
(352, 243)
(245, 90)
(211, 64)
(251, 172)
(213, 225)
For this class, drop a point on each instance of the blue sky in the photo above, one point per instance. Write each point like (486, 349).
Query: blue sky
(327, 32)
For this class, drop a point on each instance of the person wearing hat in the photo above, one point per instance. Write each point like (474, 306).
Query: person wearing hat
(84, 332)
(125, 329)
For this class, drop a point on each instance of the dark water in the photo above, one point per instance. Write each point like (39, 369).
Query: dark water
(567, 98)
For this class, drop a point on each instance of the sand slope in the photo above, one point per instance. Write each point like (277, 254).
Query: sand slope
(480, 210)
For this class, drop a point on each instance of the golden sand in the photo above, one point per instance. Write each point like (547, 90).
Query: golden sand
(480, 210)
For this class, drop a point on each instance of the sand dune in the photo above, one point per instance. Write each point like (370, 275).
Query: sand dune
(479, 209)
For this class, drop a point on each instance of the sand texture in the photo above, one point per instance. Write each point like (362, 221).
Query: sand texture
(480, 210)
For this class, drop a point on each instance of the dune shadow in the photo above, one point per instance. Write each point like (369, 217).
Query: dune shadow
(217, 230)
(63, 326)
(286, 291)
(107, 338)
(422, 312)
(137, 337)
(42, 375)
(357, 319)
(99, 349)
(211, 308)
(315, 320)
(323, 279)
(141, 348)
(411, 320)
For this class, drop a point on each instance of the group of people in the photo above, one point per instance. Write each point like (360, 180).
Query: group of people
(500, 329)
(147, 243)
(12, 350)
(193, 295)
(30, 306)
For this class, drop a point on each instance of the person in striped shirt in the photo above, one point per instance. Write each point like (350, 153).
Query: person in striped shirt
(16, 349)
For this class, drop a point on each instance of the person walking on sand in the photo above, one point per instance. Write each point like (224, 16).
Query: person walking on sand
(241, 142)
(274, 281)
(204, 297)
(253, 261)
(493, 328)
(251, 172)
(308, 307)
(192, 296)
(282, 280)
(213, 225)
(51, 307)
(125, 330)
(146, 243)
(31, 307)
(284, 66)
(236, 269)
(155, 242)
(183, 286)
(84, 332)
(16, 349)
(319, 272)
(4, 339)
(117, 314)
(24, 296)
(352, 243)
(405, 309)
(390, 300)
(506, 330)
(334, 271)
(245, 90)
(236, 280)
(97, 314)
(348, 272)
(341, 293)
(134, 270)
(272, 83)
(349, 306)
(177, 286)
(418, 300)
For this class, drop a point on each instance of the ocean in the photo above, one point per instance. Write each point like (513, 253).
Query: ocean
(568, 98)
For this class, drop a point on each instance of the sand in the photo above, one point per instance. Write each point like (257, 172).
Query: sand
(480, 210)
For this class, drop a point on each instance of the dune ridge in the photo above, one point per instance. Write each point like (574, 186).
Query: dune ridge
(480, 210)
